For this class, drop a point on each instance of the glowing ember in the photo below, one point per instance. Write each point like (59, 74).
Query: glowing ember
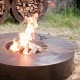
(24, 44)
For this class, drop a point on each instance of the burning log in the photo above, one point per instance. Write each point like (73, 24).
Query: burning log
(33, 48)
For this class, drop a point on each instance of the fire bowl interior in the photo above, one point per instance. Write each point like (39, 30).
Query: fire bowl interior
(54, 63)
(40, 43)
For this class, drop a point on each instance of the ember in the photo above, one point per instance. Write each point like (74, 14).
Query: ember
(24, 44)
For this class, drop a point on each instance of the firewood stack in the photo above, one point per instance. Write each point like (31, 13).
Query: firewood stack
(2, 7)
(29, 7)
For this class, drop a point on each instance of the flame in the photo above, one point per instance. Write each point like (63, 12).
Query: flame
(24, 43)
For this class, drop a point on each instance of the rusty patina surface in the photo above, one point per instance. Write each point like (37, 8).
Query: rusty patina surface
(55, 63)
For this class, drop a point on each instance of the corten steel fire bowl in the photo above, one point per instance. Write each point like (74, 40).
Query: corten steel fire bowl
(54, 63)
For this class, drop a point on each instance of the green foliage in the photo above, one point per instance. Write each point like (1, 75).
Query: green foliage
(68, 18)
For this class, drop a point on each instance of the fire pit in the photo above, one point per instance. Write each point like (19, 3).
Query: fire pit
(54, 63)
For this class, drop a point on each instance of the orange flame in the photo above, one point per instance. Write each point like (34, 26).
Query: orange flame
(25, 37)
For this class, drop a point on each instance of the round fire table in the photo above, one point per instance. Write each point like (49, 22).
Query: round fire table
(54, 63)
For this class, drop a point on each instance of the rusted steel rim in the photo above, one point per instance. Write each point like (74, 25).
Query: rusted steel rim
(18, 16)
(6, 11)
